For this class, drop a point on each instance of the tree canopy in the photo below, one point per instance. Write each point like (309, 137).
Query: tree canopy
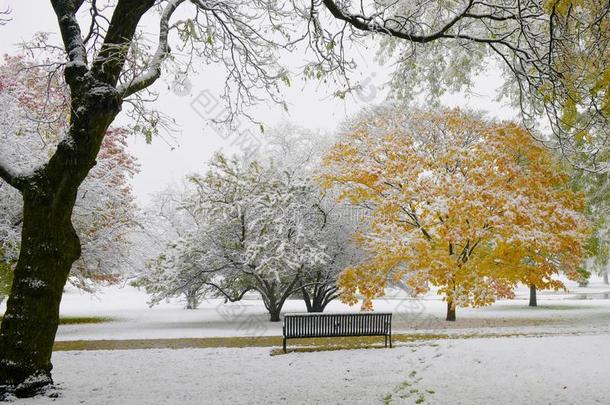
(467, 205)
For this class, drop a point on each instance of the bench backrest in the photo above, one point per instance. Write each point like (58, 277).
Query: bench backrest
(323, 325)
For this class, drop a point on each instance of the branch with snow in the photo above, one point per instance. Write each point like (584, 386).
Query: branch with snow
(153, 71)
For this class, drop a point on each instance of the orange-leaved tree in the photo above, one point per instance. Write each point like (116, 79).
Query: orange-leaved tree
(467, 205)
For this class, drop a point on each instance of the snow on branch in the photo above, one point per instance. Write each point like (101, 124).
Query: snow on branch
(154, 68)
(4, 19)
(393, 27)
(12, 177)
(71, 36)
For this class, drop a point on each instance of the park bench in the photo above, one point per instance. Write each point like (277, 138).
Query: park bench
(315, 325)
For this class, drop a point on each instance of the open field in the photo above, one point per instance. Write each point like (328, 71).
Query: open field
(114, 349)
(132, 319)
(509, 370)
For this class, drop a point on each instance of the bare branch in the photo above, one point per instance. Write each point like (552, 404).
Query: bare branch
(4, 19)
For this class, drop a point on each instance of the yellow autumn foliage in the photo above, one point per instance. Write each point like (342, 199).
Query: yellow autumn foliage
(580, 59)
(470, 206)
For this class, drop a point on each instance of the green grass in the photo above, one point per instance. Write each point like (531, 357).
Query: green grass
(294, 345)
(275, 342)
(76, 320)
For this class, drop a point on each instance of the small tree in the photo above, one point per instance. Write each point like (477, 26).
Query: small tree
(300, 151)
(253, 229)
(456, 202)
(335, 226)
(170, 270)
(175, 273)
(596, 187)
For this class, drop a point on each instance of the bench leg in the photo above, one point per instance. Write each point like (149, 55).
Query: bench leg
(385, 340)
(390, 340)
(284, 345)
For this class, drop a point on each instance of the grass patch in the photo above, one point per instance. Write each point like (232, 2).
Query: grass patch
(295, 345)
(80, 320)
(275, 342)
(184, 343)
(76, 320)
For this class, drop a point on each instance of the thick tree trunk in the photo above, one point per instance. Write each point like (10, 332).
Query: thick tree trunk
(317, 307)
(314, 303)
(307, 300)
(192, 303)
(273, 305)
(605, 276)
(320, 297)
(274, 315)
(533, 299)
(321, 301)
(49, 246)
(450, 311)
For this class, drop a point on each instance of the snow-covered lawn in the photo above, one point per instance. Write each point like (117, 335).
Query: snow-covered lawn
(559, 313)
(567, 361)
(545, 370)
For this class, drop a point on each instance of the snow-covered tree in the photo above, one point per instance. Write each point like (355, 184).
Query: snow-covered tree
(553, 56)
(292, 155)
(300, 151)
(596, 187)
(105, 210)
(255, 235)
(171, 270)
(470, 206)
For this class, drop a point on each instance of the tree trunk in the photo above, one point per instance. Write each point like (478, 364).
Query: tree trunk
(533, 300)
(49, 246)
(450, 311)
(605, 276)
(320, 303)
(317, 307)
(307, 299)
(192, 301)
(274, 315)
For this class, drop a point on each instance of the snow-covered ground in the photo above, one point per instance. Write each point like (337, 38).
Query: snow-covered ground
(563, 360)
(561, 313)
(546, 370)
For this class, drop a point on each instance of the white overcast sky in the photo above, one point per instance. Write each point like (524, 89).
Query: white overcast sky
(195, 140)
